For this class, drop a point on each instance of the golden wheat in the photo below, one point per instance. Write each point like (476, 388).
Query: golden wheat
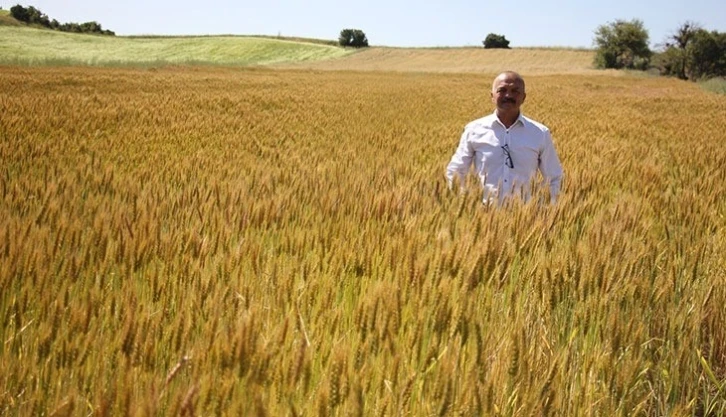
(196, 241)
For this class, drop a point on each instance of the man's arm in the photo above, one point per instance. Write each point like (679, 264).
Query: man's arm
(460, 162)
(550, 167)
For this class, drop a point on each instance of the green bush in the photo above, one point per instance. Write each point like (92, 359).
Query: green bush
(622, 44)
(495, 41)
(353, 37)
(707, 55)
(716, 85)
(693, 53)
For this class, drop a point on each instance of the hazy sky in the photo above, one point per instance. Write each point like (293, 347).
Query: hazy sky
(388, 22)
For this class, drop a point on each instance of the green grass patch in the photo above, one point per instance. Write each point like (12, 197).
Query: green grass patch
(26, 46)
(328, 42)
(716, 85)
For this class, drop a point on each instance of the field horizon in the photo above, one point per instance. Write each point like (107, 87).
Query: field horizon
(7, 20)
(23, 45)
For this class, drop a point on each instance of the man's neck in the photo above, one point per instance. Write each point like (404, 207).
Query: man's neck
(507, 119)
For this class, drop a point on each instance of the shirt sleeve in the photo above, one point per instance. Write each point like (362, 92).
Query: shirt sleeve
(460, 162)
(550, 167)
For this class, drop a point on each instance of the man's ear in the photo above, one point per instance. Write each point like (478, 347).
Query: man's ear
(524, 97)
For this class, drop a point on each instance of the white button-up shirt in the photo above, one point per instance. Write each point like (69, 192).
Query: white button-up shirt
(530, 149)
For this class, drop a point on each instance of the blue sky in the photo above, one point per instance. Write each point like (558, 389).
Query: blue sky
(388, 23)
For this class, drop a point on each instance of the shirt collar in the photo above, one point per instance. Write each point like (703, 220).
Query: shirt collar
(495, 120)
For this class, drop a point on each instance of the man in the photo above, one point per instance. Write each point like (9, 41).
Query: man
(506, 147)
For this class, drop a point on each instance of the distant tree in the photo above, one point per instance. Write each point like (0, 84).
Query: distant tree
(353, 37)
(693, 53)
(683, 35)
(622, 44)
(495, 41)
(29, 15)
(674, 59)
(20, 13)
(360, 40)
(672, 62)
(70, 27)
(37, 17)
(707, 55)
(346, 37)
(91, 27)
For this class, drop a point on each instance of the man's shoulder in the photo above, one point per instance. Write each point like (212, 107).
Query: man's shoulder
(534, 124)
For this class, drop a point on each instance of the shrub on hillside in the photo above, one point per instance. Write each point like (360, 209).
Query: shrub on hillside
(353, 37)
(495, 41)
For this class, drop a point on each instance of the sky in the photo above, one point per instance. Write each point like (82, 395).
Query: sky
(402, 23)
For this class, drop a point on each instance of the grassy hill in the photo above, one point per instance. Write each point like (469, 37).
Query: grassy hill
(22, 45)
(7, 20)
(29, 46)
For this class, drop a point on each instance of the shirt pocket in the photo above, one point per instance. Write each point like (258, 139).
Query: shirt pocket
(525, 154)
(486, 147)
(483, 141)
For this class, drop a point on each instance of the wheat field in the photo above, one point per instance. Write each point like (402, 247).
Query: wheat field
(476, 60)
(216, 241)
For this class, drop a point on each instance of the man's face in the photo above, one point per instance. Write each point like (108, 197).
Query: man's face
(508, 93)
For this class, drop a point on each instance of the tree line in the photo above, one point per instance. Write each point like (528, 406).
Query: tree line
(690, 53)
(33, 16)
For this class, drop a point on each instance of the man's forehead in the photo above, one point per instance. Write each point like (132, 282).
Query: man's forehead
(508, 80)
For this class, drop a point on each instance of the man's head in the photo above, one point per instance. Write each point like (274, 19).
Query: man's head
(508, 92)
